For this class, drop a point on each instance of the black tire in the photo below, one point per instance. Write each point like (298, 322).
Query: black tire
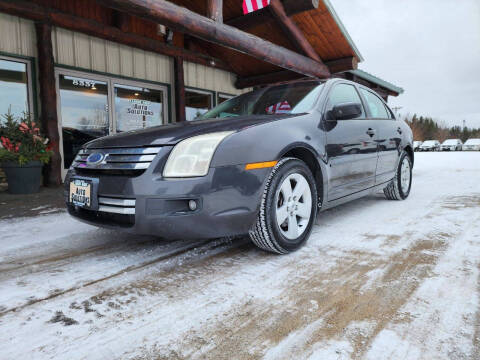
(266, 233)
(394, 190)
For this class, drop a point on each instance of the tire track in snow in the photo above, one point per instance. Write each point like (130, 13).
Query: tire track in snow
(342, 299)
(176, 252)
(50, 259)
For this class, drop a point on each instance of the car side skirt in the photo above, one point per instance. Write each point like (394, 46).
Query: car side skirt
(354, 196)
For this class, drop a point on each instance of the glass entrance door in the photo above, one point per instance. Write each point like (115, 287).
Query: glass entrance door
(138, 107)
(91, 106)
(84, 113)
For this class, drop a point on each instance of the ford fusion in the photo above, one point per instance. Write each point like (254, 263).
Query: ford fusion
(263, 164)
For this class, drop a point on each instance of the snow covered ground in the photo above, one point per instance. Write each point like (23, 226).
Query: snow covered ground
(377, 280)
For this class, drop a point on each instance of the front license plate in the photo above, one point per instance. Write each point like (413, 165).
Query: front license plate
(81, 193)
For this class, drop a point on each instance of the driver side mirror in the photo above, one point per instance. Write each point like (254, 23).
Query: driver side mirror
(345, 111)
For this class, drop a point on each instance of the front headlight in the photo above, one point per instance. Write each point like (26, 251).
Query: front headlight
(191, 157)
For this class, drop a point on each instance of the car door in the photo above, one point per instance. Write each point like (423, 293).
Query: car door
(388, 135)
(351, 145)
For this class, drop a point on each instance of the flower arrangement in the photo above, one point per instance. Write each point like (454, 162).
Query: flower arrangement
(21, 141)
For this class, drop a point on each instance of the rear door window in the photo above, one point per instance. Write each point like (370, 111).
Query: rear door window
(375, 104)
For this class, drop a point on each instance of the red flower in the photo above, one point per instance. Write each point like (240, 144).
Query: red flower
(7, 144)
(23, 127)
(17, 147)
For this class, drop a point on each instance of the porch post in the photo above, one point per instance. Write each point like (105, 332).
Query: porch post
(215, 10)
(179, 89)
(48, 98)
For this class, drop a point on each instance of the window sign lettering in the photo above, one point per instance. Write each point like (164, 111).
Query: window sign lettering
(84, 83)
(137, 107)
(140, 107)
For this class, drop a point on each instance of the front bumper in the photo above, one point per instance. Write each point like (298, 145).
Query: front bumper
(228, 200)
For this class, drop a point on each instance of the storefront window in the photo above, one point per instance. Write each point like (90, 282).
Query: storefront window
(84, 111)
(137, 107)
(92, 106)
(197, 103)
(14, 93)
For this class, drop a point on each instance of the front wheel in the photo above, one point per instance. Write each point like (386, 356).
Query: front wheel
(399, 187)
(288, 208)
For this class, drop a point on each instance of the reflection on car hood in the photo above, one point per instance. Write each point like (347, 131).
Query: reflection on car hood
(173, 133)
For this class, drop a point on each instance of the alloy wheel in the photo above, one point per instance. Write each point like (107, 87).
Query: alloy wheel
(405, 175)
(293, 206)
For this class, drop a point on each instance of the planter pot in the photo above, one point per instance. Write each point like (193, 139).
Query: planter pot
(23, 179)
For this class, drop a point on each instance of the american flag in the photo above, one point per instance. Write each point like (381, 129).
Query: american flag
(254, 5)
(279, 108)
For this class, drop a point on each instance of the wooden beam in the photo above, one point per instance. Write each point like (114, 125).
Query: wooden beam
(293, 7)
(266, 79)
(262, 16)
(48, 98)
(291, 30)
(335, 66)
(248, 21)
(36, 12)
(343, 64)
(215, 10)
(183, 20)
(179, 89)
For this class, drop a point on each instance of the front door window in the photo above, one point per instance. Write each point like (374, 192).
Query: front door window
(84, 111)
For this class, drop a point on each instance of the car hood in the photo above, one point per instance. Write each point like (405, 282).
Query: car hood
(173, 133)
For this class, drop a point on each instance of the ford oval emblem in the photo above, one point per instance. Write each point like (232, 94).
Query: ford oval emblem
(95, 158)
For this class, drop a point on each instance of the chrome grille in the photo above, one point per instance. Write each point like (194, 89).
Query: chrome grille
(117, 158)
(116, 205)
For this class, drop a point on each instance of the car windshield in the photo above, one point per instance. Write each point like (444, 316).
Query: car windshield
(293, 98)
(450, 142)
(473, 142)
(429, 142)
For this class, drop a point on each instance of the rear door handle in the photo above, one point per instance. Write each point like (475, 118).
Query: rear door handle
(370, 132)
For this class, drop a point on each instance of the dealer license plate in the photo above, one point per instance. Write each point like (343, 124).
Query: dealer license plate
(81, 193)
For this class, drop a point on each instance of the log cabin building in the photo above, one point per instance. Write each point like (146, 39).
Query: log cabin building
(89, 68)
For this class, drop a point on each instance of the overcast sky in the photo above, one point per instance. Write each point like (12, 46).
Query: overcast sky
(431, 48)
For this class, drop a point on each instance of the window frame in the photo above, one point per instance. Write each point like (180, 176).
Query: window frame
(387, 109)
(211, 93)
(140, 84)
(327, 98)
(31, 80)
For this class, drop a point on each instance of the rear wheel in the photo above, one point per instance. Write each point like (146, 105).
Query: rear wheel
(399, 187)
(288, 208)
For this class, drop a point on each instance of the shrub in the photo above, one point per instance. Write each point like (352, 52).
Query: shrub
(21, 141)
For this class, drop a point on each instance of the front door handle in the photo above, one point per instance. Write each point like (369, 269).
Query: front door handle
(371, 132)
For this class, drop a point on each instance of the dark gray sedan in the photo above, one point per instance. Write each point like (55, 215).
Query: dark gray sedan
(263, 163)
